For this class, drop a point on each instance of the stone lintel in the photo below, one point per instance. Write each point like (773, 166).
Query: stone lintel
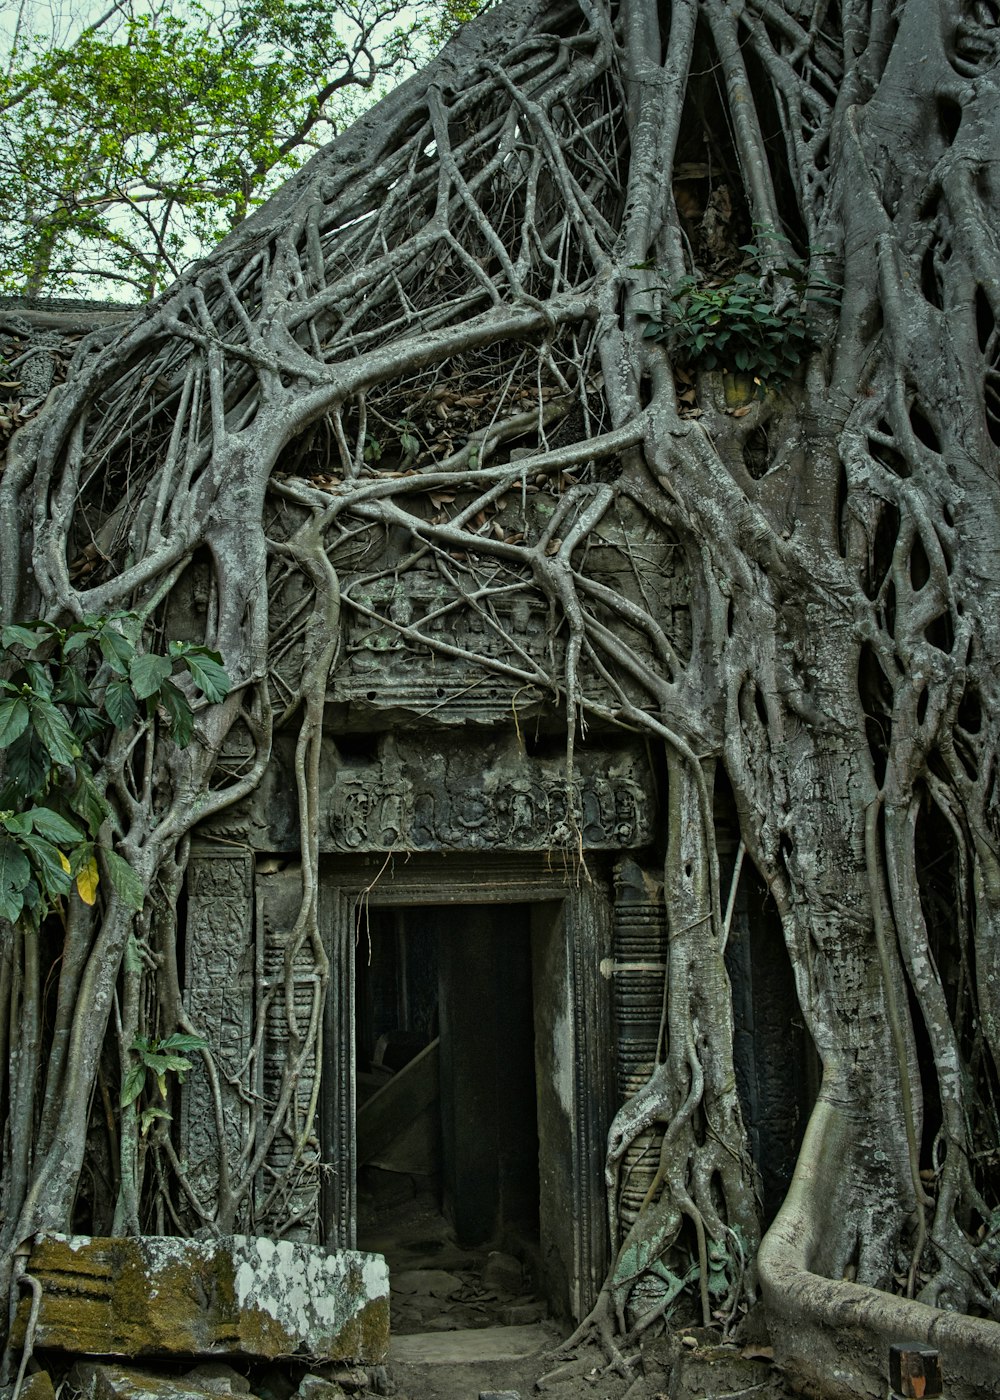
(239, 1296)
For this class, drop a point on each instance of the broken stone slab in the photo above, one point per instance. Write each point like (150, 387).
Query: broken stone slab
(318, 1388)
(37, 1385)
(92, 1380)
(434, 1283)
(503, 1273)
(460, 1348)
(219, 1378)
(523, 1314)
(239, 1295)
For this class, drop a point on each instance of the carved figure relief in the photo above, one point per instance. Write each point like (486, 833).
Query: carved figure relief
(429, 794)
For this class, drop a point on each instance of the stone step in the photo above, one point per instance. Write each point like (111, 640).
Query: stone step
(472, 1345)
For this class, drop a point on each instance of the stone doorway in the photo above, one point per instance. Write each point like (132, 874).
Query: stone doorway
(445, 1062)
(448, 1143)
(480, 994)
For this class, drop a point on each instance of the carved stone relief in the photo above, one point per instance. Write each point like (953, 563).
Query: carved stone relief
(426, 793)
(219, 997)
(284, 1204)
(415, 647)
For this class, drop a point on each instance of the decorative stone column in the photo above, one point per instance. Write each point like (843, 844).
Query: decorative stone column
(219, 996)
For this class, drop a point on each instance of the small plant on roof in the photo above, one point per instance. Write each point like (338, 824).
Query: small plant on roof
(753, 323)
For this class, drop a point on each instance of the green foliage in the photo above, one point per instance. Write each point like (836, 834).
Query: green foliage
(63, 689)
(128, 150)
(155, 1059)
(749, 323)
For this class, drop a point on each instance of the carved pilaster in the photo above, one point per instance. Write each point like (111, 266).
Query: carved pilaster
(218, 974)
(287, 1188)
(638, 970)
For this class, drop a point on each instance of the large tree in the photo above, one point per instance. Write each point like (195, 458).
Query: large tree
(565, 235)
(132, 143)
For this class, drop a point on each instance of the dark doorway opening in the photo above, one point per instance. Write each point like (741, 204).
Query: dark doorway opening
(446, 1107)
(777, 1068)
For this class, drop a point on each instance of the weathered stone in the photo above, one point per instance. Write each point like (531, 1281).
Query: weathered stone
(436, 1283)
(317, 1388)
(721, 1370)
(100, 1381)
(471, 1345)
(219, 1378)
(37, 1386)
(503, 1273)
(219, 960)
(159, 1296)
(522, 1314)
(381, 1381)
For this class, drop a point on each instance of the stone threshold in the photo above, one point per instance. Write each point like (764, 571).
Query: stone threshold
(473, 1344)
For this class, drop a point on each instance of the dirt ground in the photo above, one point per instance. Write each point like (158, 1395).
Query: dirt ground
(468, 1323)
(667, 1369)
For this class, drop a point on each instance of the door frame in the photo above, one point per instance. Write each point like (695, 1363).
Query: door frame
(349, 883)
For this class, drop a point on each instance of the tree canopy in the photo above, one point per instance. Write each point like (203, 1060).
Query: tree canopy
(130, 146)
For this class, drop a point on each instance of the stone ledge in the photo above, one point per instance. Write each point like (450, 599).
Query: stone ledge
(240, 1295)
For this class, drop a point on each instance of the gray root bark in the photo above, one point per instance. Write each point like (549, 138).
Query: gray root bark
(472, 260)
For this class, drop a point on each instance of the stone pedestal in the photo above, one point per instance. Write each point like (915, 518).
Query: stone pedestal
(242, 1296)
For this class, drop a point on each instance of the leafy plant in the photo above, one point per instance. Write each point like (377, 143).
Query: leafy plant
(143, 134)
(749, 323)
(61, 689)
(156, 1059)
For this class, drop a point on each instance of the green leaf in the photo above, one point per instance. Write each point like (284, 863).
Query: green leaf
(117, 650)
(16, 635)
(15, 874)
(87, 722)
(125, 880)
(79, 636)
(208, 674)
(163, 1064)
(147, 1116)
(178, 713)
(54, 827)
(55, 878)
(26, 767)
(182, 1040)
(53, 730)
(86, 800)
(39, 678)
(72, 688)
(119, 702)
(147, 674)
(132, 1088)
(13, 720)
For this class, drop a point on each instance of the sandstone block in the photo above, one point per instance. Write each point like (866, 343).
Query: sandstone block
(38, 1386)
(100, 1381)
(240, 1296)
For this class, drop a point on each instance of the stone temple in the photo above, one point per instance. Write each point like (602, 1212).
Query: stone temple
(495, 935)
